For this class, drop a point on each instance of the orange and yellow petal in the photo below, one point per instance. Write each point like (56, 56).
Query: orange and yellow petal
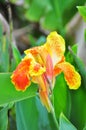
(45, 99)
(39, 53)
(55, 46)
(21, 81)
(57, 70)
(35, 69)
(20, 77)
(42, 82)
(33, 51)
(72, 77)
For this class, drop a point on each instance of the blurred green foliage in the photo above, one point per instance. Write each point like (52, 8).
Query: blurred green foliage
(51, 14)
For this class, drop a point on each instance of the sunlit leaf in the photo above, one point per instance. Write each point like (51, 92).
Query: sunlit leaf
(8, 93)
(62, 100)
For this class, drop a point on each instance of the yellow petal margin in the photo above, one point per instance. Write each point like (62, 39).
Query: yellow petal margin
(72, 77)
(27, 68)
(20, 77)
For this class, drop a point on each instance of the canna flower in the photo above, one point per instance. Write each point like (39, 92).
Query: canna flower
(42, 64)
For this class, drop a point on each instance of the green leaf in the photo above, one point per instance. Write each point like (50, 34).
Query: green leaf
(49, 21)
(16, 55)
(30, 114)
(78, 107)
(65, 124)
(51, 13)
(62, 100)
(44, 123)
(27, 115)
(82, 11)
(36, 10)
(8, 93)
(3, 118)
(16, 58)
(69, 57)
(4, 52)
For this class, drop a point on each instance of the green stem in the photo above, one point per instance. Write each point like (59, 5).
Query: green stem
(54, 117)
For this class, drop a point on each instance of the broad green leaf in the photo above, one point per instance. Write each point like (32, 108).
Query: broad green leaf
(49, 21)
(3, 118)
(30, 114)
(8, 93)
(44, 123)
(53, 17)
(64, 4)
(57, 10)
(27, 115)
(82, 11)
(65, 124)
(61, 97)
(78, 107)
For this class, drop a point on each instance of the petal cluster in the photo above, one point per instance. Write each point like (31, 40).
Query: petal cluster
(41, 65)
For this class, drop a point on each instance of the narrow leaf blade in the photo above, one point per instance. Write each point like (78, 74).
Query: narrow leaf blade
(3, 118)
